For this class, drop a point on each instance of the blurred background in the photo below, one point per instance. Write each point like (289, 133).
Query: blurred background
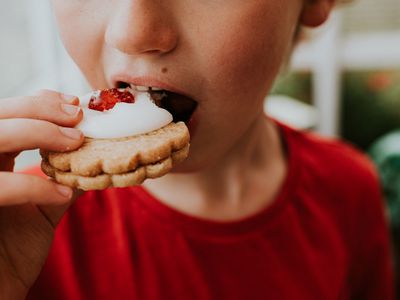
(349, 71)
(32, 57)
(343, 79)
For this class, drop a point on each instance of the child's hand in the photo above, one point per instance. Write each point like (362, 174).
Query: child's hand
(30, 206)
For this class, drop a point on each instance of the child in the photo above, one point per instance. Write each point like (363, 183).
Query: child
(257, 211)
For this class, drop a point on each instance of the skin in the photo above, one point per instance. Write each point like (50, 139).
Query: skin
(231, 60)
(31, 207)
(234, 57)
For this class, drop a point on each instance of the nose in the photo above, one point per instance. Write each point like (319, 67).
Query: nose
(141, 26)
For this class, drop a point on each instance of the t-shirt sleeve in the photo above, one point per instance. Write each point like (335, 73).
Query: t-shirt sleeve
(372, 268)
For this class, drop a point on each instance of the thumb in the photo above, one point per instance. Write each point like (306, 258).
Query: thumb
(54, 213)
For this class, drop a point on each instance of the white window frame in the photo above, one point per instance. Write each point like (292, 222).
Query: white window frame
(331, 53)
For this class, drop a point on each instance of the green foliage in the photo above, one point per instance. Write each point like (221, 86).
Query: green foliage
(370, 106)
(295, 85)
(385, 152)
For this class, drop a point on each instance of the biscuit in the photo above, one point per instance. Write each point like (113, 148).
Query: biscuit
(120, 162)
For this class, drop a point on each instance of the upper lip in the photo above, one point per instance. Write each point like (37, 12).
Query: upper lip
(148, 81)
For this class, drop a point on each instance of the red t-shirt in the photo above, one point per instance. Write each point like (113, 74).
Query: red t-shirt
(324, 237)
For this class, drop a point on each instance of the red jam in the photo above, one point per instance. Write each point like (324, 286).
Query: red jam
(108, 98)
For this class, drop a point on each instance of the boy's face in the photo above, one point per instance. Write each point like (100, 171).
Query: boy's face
(224, 54)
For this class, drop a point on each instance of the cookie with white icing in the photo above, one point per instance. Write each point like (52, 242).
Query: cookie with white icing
(125, 143)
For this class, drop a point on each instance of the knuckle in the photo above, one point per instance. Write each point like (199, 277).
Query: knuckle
(50, 109)
(58, 111)
(43, 99)
(5, 127)
(45, 92)
(36, 126)
(23, 134)
(12, 190)
(49, 100)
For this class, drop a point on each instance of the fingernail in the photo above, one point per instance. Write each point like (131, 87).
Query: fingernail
(64, 191)
(68, 98)
(71, 133)
(71, 110)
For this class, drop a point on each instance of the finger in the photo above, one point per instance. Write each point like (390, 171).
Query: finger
(21, 189)
(46, 105)
(54, 213)
(24, 134)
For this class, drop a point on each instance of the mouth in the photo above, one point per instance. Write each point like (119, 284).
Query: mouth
(180, 106)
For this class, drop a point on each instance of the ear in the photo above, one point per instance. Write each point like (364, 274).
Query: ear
(315, 12)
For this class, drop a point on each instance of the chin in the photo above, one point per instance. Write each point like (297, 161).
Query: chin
(187, 167)
(195, 163)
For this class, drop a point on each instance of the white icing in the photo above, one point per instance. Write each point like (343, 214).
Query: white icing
(124, 119)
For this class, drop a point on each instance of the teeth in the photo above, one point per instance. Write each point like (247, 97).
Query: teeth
(142, 88)
(156, 89)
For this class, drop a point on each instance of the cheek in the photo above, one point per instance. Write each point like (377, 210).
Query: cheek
(239, 62)
(82, 35)
(247, 54)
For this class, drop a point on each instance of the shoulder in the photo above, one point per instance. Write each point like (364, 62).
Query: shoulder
(333, 160)
(349, 195)
(336, 177)
(341, 184)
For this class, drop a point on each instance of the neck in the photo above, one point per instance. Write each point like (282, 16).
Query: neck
(245, 181)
